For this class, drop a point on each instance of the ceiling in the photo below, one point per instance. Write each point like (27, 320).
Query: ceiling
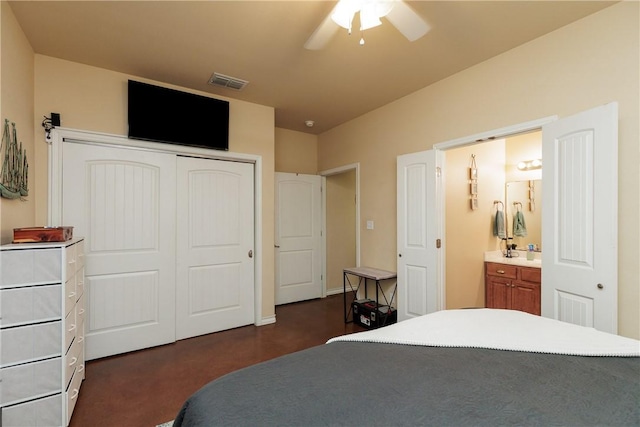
(184, 42)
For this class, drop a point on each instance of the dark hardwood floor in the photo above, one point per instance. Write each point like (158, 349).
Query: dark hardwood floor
(147, 387)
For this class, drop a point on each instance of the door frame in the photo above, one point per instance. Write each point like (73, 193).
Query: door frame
(478, 138)
(54, 209)
(323, 250)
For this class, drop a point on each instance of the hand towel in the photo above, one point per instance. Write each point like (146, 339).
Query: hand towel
(519, 227)
(498, 225)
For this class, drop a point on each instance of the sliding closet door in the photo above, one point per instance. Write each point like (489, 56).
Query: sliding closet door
(123, 202)
(215, 236)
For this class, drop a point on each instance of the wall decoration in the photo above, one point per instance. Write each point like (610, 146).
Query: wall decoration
(473, 183)
(14, 175)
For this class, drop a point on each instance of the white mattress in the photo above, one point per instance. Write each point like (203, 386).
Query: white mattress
(499, 330)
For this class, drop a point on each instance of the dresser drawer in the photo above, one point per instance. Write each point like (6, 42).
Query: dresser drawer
(501, 270)
(72, 394)
(80, 312)
(72, 360)
(25, 267)
(70, 295)
(40, 412)
(79, 255)
(70, 256)
(79, 282)
(30, 304)
(33, 342)
(70, 329)
(22, 382)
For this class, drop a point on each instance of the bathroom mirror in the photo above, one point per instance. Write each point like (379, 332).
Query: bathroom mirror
(525, 197)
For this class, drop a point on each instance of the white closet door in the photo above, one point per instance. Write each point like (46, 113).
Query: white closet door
(123, 202)
(215, 237)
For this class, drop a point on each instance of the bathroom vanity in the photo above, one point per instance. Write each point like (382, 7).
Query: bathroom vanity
(512, 283)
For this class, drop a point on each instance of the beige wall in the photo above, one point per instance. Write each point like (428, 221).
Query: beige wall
(94, 99)
(341, 227)
(17, 106)
(585, 64)
(296, 152)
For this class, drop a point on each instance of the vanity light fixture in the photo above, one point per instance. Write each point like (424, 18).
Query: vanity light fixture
(530, 165)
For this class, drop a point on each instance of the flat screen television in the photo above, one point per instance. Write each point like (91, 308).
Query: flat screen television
(167, 115)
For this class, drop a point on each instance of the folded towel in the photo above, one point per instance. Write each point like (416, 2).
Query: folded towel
(519, 227)
(498, 225)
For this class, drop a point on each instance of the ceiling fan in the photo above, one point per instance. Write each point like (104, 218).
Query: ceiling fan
(408, 22)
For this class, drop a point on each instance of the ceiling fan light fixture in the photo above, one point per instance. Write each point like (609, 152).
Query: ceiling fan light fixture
(370, 12)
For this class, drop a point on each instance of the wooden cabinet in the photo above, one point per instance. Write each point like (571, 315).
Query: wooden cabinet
(512, 287)
(42, 332)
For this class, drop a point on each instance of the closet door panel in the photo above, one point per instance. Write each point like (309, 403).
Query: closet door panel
(123, 202)
(215, 271)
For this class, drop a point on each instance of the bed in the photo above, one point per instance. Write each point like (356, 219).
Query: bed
(449, 368)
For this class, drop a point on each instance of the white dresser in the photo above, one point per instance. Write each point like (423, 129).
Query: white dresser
(41, 332)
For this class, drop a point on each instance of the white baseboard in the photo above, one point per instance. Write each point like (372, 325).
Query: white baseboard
(334, 291)
(267, 320)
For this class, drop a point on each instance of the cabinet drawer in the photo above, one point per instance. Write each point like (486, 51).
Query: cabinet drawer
(23, 382)
(530, 274)
(40, 412)
(72, 394)
(30, 267)
(501, 270)
(30, 304)
(31, 342)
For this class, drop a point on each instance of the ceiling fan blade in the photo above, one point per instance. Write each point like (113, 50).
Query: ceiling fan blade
(408, 22)
(322, 34)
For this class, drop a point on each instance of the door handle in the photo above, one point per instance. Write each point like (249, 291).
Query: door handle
(250, 253)
(276, 246)
(600, 286)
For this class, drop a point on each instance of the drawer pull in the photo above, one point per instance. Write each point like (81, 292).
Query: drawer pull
(81, 312)
(71, 328)
(74, 394)
(81, 368)
(81, 338)
(72, 294)
(500, 271)
(73, 361)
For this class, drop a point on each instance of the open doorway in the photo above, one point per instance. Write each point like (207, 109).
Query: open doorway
(340, 222)
(469, 233)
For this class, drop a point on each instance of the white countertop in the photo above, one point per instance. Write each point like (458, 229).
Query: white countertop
(519, 258)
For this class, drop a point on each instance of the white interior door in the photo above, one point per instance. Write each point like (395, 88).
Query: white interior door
(215, 237)
(298, 237)
(419, 193)
(579, 213)
(123, 202)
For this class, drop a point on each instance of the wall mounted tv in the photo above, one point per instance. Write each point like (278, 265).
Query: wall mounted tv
(167, 115)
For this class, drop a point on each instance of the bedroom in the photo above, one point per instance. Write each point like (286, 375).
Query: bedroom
(437, 113)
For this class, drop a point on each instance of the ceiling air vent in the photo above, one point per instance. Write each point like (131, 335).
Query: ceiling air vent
(234, 83)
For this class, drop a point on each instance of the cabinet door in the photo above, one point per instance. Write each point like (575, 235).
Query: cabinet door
(498, 292)
(526, 297)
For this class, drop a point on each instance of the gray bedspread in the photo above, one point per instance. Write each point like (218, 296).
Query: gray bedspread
(369, 384)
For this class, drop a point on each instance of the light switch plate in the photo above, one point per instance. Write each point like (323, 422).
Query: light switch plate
(369, 225)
